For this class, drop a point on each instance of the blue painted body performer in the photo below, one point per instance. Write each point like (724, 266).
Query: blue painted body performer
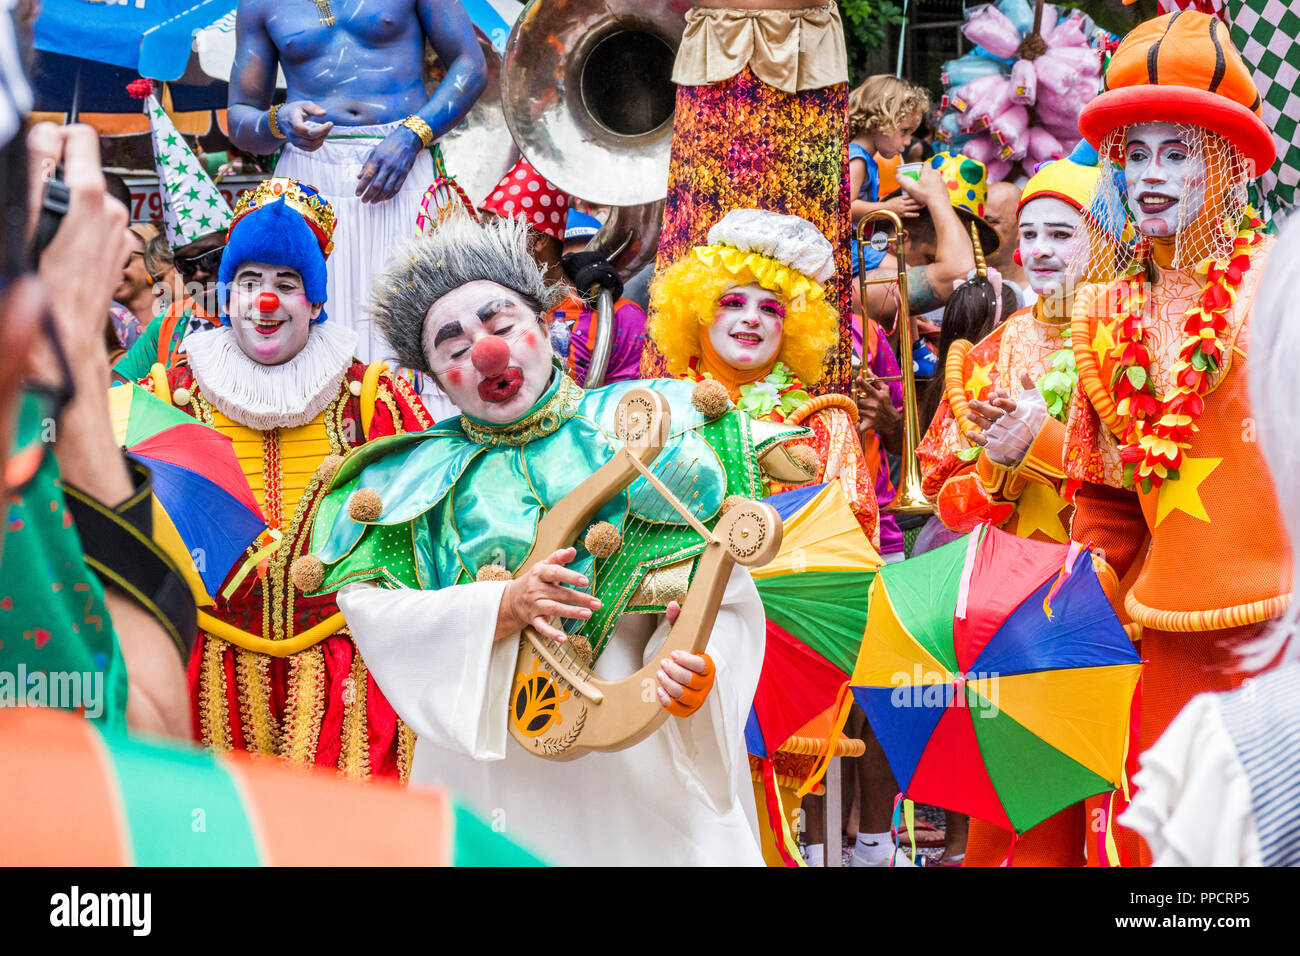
(356, 122)
(365, 69)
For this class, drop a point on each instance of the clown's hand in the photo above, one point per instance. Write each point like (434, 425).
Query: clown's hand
(1009, 438)
(684, 679)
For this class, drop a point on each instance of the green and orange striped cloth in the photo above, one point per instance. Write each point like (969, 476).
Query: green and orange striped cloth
(74, 796)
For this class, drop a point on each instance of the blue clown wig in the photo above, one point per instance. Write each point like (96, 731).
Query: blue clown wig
(275, 234)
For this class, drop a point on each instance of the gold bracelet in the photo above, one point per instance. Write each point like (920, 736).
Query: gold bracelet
(275, 127)
(420, 128)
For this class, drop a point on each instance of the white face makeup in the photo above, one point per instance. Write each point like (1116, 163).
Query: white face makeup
(1053, 245)
(269, 312)
(748, 323)
(488, 351)
(1165, 178)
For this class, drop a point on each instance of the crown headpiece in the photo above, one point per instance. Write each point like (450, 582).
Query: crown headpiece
(300, 197)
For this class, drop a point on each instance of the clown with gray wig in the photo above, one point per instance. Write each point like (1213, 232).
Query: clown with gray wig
(425, 534)
(281, 382)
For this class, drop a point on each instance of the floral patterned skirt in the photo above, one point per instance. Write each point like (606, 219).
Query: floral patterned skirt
(741, 144)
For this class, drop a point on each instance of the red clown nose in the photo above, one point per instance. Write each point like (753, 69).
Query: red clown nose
(490, 355)
(268, 302)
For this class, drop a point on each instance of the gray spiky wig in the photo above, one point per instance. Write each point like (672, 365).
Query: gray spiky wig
(459, 251)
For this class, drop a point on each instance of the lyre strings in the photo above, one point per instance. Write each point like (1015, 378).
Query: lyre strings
(678, 476)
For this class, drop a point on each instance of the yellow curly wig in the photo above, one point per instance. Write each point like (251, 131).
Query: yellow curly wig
(685, 296)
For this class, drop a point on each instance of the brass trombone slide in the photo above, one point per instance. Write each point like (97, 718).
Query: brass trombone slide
(909, 500)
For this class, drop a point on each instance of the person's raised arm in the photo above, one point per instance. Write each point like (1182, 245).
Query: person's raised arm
(452, 37)
(252, 87)
(954, 257)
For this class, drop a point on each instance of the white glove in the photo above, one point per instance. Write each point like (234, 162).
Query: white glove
(1011, 435)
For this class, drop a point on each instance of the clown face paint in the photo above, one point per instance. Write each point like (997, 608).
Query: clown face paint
(1165, 177)
(269, 312)
(1053, 245)
(747, 327)
(492, 381)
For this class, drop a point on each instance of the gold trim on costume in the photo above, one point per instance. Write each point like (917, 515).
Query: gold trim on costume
(354, 749)
(545, 421)
(213, 713)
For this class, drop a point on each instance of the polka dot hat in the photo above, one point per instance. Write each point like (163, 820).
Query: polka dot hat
(526, 194)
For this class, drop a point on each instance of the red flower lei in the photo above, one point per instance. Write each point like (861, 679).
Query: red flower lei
(1158, 432)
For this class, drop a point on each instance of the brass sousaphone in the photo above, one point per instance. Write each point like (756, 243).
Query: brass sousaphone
(587, 90)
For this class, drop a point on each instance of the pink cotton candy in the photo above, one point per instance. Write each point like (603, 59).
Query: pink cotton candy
(1069, 32)
(1043, 146)
(1049, 20)
(980, 147)
(1084, 60)
(1010, 129)
(1024, 83)
(998, 169)
(989, 27)
(1055, 74)
(968, 94)
(981, 113)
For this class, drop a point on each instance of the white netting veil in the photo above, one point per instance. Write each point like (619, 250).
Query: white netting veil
(1208, 214)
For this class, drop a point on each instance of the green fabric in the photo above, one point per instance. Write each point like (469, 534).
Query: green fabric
(452, 505)
(1032, 778)
(477, 844)
(56, 636)
(923, 592)
(143, 353)
(827, 610)
(182, 807)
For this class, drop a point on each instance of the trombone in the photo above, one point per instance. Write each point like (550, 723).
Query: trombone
(909, 499)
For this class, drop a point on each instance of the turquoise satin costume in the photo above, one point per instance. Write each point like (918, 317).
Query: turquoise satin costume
(465, 494)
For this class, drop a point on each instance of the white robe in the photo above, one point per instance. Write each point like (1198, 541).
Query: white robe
(682, 797)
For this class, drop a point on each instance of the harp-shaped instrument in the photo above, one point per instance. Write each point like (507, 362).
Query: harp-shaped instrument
(558, 708)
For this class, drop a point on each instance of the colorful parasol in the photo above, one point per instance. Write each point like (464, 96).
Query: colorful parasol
(205, 514)
(997, 678)
(815, 598)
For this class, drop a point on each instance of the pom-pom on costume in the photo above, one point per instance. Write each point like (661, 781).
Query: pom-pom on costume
(273, 670)
(788, 256)
(460, 507)
(762, 122)
(1156, 429)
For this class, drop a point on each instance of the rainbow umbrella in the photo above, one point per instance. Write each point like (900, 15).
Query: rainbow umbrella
(815, 598)
(205, 515)
(997, 678)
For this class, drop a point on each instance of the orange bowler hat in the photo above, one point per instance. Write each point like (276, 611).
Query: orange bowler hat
(1181, 68)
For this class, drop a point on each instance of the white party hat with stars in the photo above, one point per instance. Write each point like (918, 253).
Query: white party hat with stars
(191, 203)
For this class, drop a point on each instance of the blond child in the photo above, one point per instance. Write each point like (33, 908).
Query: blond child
(884, 112)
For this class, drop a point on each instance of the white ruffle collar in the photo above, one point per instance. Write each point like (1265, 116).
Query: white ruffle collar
(271, 396)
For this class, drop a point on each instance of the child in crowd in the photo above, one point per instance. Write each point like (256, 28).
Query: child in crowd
(884, 112)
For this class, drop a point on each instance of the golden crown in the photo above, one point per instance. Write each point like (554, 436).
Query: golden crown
(311, 205)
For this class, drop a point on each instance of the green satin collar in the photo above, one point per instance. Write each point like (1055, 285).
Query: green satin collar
(557, 405)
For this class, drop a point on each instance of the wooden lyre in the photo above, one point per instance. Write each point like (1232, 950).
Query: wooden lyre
(558, 708)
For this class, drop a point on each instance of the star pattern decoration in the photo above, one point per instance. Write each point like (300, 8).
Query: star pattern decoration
(1184, 494)
(979, 381)
(192, 205)
(1103, 341)
(1039, 509)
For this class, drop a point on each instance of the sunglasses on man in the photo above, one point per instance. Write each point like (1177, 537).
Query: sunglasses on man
(209, 261)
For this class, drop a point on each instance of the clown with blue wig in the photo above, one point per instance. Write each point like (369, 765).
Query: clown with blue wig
(273, 670)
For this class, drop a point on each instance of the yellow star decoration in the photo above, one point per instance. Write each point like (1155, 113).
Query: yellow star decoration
(1039, 509)
(1102, 342)
(1183, 494)
(979, 379)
